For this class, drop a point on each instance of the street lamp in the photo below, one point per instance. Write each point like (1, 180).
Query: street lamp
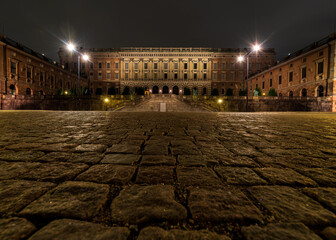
(72, 48)
(255, 48)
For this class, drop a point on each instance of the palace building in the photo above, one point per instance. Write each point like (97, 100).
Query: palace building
(309, 72)
(26, 72)
(166, 70)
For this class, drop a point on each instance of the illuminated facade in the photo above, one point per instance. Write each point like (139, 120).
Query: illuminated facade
(26, 72)
(309, 72)
(166, 70)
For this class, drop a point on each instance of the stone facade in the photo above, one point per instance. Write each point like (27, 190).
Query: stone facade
(26, 72)
(166, 70)
(309, 72)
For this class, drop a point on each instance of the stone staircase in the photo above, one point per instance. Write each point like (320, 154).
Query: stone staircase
(163, 103)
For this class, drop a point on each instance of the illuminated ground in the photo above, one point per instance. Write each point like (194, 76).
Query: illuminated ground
(104, 175)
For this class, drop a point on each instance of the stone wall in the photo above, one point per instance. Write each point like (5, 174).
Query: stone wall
(12, 102)
(264, 104)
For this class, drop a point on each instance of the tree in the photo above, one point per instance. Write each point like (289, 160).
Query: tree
(272, 92)
(257, 92)
(229, 92)
(126, 91)
(214, 92)
(187, 91)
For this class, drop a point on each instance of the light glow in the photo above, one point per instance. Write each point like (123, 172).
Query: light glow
(86, 57)
(220, 100)
(106, 100)
(256, 47)
(71, 47)
(240, 58)
(66, 92)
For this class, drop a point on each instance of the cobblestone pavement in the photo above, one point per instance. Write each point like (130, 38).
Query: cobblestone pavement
(105, 175)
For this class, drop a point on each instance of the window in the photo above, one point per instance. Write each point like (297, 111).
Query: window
(204, 76)
(155, 65)
(91, 65)
(223, 65)
(83, 65)
(304, 60)
(280, 80)
(263, 85)
(52, 82)
(185, 76)
(320, 54)
(91, 74)
(100, 65)
(204, 65)
(186, 66)
(135, 76)
(291, 65)
(126, 66)
(176, 65)
(215, 76)
(100, 75)
(241, 76)
(195, 65)
(75, 66)
(290, 77)
(271, 82)
(136, 65)
(195, 76)
(41, 78)
(304, 72)
(231, 76)
(126, 76)
(165, 65)
(108, 65)
(29, 73)
(155, 76)
(258, 66)
(232, 66)
(223, 91)
(175, 76)
(223, 75)
(146, 65)
(108, 75)
(146, 75)
(320, 68)
(116, 65)
(165, 76)
(215, 66)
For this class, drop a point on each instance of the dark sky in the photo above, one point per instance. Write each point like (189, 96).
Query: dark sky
(286, 25)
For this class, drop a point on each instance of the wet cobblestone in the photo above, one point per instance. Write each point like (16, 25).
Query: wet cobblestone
(105, 175)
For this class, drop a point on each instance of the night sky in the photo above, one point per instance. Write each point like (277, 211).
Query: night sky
(286, 25)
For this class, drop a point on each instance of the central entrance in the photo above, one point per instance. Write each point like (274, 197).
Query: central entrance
(165, 90)
(155, 90)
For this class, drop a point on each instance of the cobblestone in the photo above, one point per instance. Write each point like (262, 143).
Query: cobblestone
(115, 175)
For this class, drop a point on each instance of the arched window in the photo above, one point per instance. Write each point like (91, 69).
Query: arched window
(176, 90)
(320, 91)
(12, 89)
(291, 94)
(304, 92)
(28, 91)
(204, 91)
(155, 90)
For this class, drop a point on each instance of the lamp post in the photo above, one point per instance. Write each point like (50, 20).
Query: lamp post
(255, 48)
(72, 48)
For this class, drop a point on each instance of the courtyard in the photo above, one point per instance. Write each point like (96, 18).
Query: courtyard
(133, 175)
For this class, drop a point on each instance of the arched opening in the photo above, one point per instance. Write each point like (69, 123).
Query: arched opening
(291, 94)
(195, 91)
(204, 91)
(12, 89)
(320, 91)
(99, 91)
(304, 92)
(28, 91)
(111, 91)
(165, 90)
(155, 90)
(176, 90)
(41, 93)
